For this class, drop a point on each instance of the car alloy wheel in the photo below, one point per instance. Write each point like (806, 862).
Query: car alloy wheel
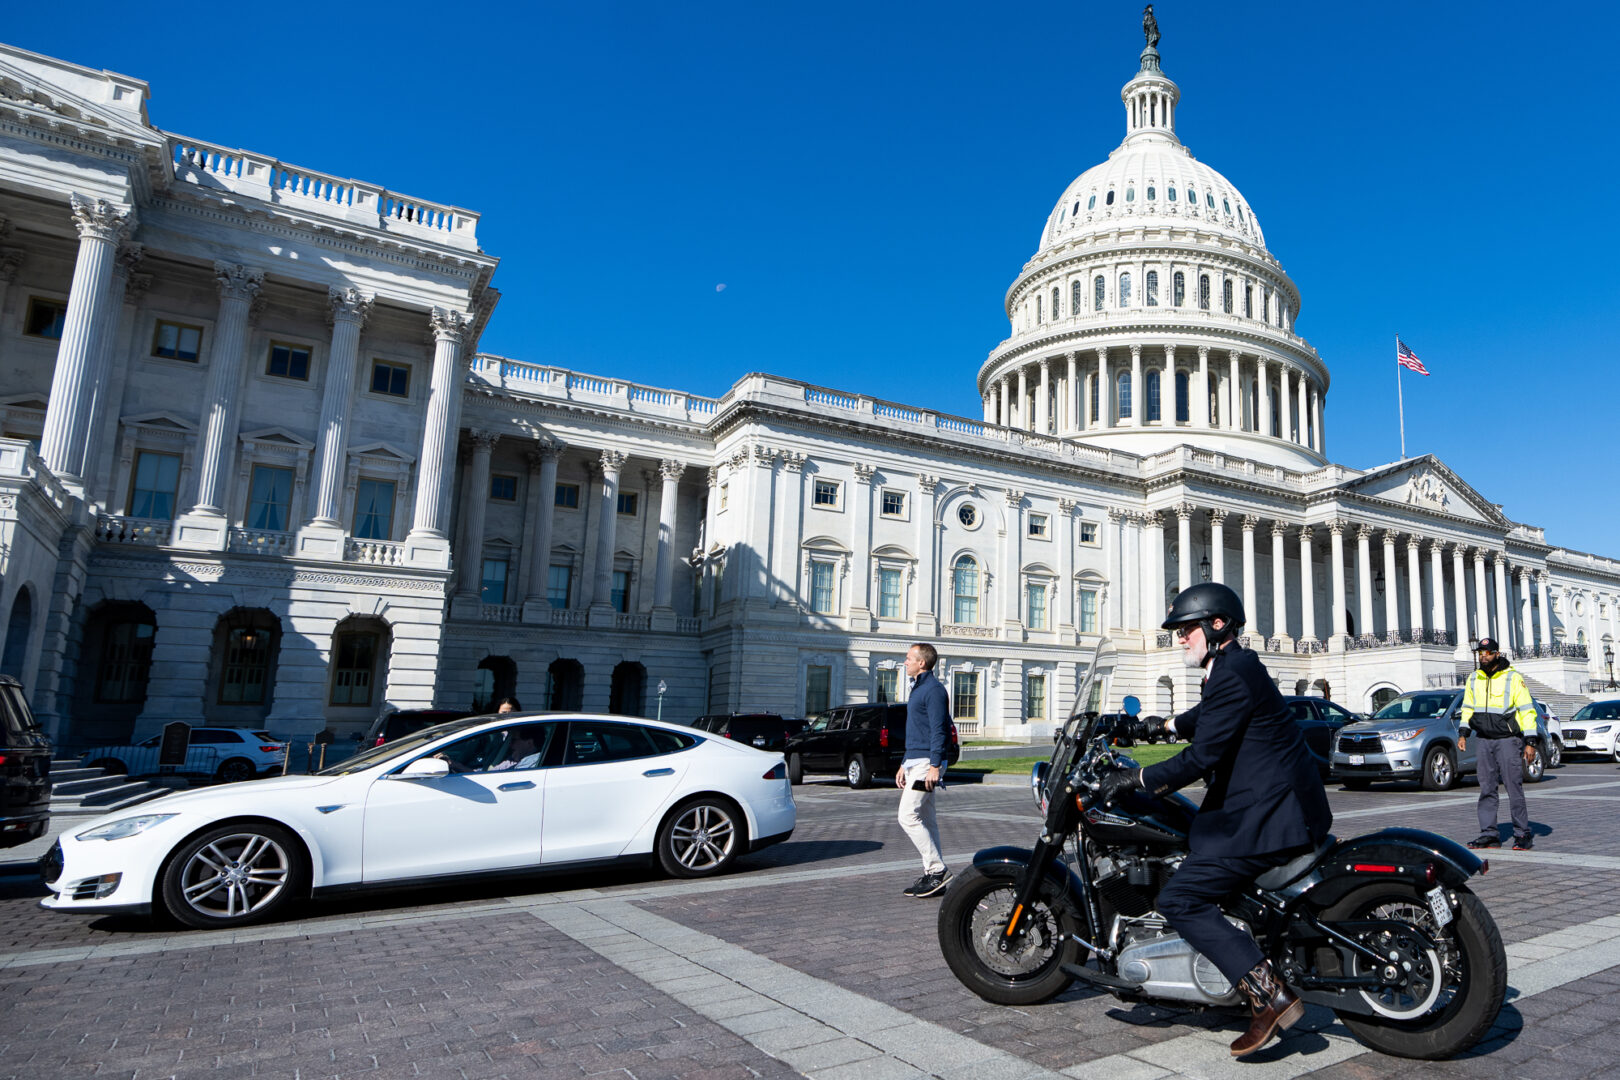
(234, 770)
(700, 838)
(232, 875)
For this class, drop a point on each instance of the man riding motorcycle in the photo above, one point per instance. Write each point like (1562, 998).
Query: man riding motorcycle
(1264, 803)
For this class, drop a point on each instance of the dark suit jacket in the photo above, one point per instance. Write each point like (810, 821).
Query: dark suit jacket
(1264, 792)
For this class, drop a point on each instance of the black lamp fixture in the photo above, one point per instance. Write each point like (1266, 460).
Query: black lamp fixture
(1203, 568)
(1608, 658)
(241, 621)
(1378, 580)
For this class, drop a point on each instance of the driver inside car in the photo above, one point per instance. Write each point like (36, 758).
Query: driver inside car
(1264, 801)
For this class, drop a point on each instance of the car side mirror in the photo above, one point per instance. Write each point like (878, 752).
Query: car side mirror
(423, 767)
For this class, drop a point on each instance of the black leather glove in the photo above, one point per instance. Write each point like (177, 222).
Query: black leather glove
(1116, 785)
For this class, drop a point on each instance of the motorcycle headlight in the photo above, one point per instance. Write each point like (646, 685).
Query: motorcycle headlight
(117, 830)
(1404, 736)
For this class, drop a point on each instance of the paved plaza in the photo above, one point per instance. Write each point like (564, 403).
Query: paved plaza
(805, 960)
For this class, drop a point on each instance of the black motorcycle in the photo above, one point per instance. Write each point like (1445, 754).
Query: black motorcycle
(1382, 928)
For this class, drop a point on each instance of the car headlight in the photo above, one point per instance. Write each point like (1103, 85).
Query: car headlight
(1404, 736)
(117, 830)
(1604, 730)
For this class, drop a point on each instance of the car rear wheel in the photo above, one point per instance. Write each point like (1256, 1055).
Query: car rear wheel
(1555, 753)
(795, 766)
(233, 770)
(701, 838)
(1439, 771)
(233, 875)
(859, 775)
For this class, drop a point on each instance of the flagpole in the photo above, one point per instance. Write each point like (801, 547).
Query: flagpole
(1400, 402)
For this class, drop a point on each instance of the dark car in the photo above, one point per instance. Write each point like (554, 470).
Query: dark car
(1319, 720)
(763, 731)
(857, 741)
(402, 722)
(25, 769)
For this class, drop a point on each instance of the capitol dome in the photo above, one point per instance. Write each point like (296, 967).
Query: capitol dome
(1152, 313)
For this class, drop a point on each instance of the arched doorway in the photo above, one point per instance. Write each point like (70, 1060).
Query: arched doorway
(241, 671)
(496, 678)
(18, 628)
(116, 654)
(1322, 688)
(358, 683)
(628, 692)
(1383, 696)
(565, 686)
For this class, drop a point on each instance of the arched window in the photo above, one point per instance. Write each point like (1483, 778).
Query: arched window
(1182, 415)
(246, 641)
(1091, 203)
(565, 685)
(627, 692)
(1227, 205)
(1209, 197)
(1057, 302)
(18, 630)
(1151, 296)
(1179, 285)
(1098, 294)
(1152, 381)
(1153, 193)
(965, 588)
(1075, 211)
(1203, 291)
(1124, 394)
(1226, 296)
(1077, 297)
(1125, 290)
(1248, 301)
(1037, 310)
(1110, 199)
(1171, 192)
(1096, 413)
(127, 633)
(1240, 216)
(1192, 197)
(1130, 194)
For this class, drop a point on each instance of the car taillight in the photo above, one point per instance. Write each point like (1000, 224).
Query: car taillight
(953, 733)
(270, 749)
(778, 772)
(883, 738)
(728, 734)
(379, 741)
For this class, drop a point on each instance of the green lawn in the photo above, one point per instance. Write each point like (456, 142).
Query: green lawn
(1144, 755)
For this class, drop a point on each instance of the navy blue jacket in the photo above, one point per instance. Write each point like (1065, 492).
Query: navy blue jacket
(928, 720)
(1265, 795)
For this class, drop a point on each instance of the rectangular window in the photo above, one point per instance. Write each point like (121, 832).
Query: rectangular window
(1088, 611)
(889, 594)
(567, 496)
(45, 318)
(126, 661)
(391, 379)
(817, 689)
(288, 361)
(627, 503)
(270, 499)
(559, 582)
(888, 685)
(894, 504)
(1039, 526)
(352, 669)
(492, 582)
(719, 582)
(1035, 697)
(152, 495)
(374, 509)
(821, 587)
(725, 496)
(1088, 532)
(621, 591)
(1035, 602)
(965, 694)
(176, 341)
(826, 493)
(503, 488)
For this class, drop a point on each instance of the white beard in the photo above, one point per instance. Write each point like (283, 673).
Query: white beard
(1194, 658)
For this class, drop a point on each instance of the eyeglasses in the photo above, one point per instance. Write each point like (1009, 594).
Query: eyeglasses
(1184, 631)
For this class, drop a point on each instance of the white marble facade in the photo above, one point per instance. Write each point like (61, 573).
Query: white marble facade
(253, 470)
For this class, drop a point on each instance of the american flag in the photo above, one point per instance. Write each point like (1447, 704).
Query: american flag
(1408, 359)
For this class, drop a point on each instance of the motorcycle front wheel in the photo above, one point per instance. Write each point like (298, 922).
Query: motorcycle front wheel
(1459, 973)
(972, 922)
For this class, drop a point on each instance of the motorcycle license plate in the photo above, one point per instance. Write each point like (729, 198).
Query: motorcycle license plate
(1358, 759)
(1440, 906)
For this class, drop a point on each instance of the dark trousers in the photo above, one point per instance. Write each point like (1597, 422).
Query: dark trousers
(1191, 902)
(1502, 761)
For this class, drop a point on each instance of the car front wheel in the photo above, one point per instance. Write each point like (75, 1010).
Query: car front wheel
(701, 838)
(1439, 771)
(234, 875)
(234, 770)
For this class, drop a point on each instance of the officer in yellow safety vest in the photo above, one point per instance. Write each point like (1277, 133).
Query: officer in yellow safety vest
(1497, 711)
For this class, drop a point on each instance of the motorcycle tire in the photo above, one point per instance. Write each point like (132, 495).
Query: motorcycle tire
(1476, 964)
(971, 920)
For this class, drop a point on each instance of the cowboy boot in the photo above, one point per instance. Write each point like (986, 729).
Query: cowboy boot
(1273, 1005)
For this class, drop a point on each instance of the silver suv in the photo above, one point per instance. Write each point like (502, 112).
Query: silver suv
(1414, 737)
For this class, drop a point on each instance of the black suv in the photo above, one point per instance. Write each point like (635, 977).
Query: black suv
(858, 741)
(762, 731)
(25, 769)
(402, 722)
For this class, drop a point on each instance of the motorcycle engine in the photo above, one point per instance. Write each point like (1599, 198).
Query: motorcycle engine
(1130, 885)
(1167, 967)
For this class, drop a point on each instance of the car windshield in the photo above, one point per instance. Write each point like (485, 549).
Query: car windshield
(1415, 707)
(1598, 710)
(410, 744)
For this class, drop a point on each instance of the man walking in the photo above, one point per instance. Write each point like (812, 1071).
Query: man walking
(928, 727)
(1497, 711)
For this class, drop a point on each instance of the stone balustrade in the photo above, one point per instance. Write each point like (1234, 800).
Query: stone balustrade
(374, 552)
(146, 532)
(259, 542)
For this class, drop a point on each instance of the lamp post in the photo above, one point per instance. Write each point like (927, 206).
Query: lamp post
(1608, 658)
(1473, 647)
(662, 686)
(1203, 568)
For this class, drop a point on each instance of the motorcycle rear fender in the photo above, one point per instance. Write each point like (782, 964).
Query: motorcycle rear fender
(1014, 859)
(1411, 851)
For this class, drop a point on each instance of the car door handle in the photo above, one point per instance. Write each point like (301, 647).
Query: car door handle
(659, 772)
(517, 785)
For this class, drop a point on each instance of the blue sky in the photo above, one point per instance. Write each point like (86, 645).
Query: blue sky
(867, 179)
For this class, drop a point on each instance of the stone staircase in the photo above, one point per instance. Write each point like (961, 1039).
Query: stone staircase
(78, 790)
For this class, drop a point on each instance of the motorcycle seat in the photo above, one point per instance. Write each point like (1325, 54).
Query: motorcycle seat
(1294, 868)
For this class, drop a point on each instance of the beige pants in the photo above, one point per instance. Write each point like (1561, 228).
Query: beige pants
(917, 817)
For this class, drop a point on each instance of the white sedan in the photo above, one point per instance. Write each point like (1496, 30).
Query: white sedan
(1595, 729)
(475, 796)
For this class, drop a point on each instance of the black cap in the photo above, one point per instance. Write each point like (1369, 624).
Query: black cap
(1488, 644)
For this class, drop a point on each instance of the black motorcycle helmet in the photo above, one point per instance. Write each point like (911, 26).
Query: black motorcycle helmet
(1202, 603)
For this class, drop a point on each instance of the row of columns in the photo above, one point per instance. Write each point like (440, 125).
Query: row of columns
(1251, 298)
(1037, 398)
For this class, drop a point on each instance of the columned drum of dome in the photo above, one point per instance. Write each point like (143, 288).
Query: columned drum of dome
(1153, 272)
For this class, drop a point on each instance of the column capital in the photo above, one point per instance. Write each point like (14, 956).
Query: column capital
(481, 440)
(1013, 496)
(1046, 364)
(1390, 536)
(98, 219)
(1499, 558)
(1152, 519)
(1338, 526)
(763, 456)
(1279, 529)
(1413, 543)
(864, 472)
(1169, 355)
(1136, 353)
(447, 325)
(1435, 545)
(1218, 516)
(671, 469)
(1458, 547)
(1364, 532)
(1116, 515)
(1481, 554)
(348, 305)
(613, 460)
(1543, 576)
(236, 282)
(1184, 511)
(1250, 523)
(927, 483)
(1067, 505)
(793, 462)
(1305, 533)
(1524, 573)
(11, 260)
(1203, 353)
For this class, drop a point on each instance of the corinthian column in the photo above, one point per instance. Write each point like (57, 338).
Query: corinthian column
(476, 495)
(127, 259)
(1202, 412)
(1249, 523)
(1138, 398)
(668, 501)
(1262, 423)
(1437, 585)
(542, 506)
(1364, 587)
(1527, 635)
(1392, 587)
(1414, 588)
(1184, 514)
(1217, 548)
(428, 544)
(324, 535)
(1279, 582)
(1543, 582)
(1304, 391)
(1459, 593)
(1504, 617)
(1043, 406)
(1482, 603)
(100, 225)
(1024, 421)
(1336, 532)
(1307, 587)
(1234, 408)
(607, 524)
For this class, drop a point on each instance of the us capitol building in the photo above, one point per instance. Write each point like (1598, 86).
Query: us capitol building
(254, 470)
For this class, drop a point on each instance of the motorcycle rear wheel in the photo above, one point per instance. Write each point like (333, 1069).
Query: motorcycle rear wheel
(1455, 1010)
(971, 921)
